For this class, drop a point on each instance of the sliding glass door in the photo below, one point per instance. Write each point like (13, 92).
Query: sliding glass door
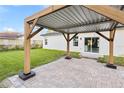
(91, 44)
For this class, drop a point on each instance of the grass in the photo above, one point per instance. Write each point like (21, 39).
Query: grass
(117, 60)
(11, 62)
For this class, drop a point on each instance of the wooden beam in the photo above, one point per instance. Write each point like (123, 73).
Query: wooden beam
(108, 11)
(73, 36)
(46, 11)
(34, 33)
(103, 36)
(26, 48)
(105, 30)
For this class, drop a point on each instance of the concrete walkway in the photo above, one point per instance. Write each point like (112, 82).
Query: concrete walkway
(74, 73)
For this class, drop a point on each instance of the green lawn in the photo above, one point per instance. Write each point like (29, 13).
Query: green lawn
(11, 62)
(117, 60)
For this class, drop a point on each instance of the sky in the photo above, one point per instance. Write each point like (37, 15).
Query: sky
(12, 17)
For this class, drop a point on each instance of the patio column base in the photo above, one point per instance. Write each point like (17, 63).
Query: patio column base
(24, 76)
(68, 57)
(111, 66)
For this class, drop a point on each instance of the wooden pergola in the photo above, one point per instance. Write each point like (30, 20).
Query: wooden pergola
(73, 19)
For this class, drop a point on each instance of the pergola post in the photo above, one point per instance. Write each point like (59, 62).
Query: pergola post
(68, 39)
(27, 49)
(68, 56)
(27, 73)
(111, 49)
(110, 63)
(111, 45)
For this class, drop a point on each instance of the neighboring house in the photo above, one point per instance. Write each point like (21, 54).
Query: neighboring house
(15, 39)
(10, 39)
(88, 44)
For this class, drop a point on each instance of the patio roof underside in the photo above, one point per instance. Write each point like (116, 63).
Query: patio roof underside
(78, 19)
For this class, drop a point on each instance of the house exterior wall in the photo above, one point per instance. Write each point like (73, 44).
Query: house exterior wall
(58, 42)
(55, 42)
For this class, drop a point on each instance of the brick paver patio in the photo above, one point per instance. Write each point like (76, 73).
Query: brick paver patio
(78, 73)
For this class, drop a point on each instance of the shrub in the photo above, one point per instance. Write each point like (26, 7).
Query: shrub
(117, 60)
(34, 46)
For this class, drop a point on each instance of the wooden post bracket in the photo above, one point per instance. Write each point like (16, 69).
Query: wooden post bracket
(64, 36)
(105, 37)
(34, 33)
(33, 24)
(69, 37)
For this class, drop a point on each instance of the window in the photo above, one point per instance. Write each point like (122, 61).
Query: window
(92, 44)
(46, 41)
(75, 41)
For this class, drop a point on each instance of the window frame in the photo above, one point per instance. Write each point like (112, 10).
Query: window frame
(75, 41)
(46, 41)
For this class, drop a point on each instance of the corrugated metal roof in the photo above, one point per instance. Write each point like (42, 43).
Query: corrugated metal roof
(76, 19)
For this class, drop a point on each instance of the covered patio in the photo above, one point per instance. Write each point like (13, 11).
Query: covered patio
(69, 19)
(73, 73)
